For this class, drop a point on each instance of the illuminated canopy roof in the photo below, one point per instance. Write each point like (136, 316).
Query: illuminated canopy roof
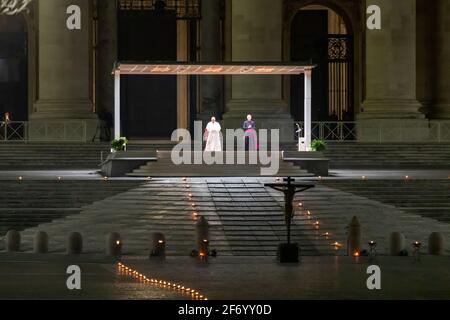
(227, 68)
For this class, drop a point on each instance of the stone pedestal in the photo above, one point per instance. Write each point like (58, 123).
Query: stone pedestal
(64, 67)
(256, 35)
(391, 74)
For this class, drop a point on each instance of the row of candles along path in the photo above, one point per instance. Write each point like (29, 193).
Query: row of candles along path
(190, 198)
(337, 245)
(407, 178)
(20, 178)
(127, 271)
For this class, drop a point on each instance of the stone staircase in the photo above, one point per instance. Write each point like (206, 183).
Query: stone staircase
(334, 209)
(43, 155)
(246, 219)
(426, 198)
(371, 155)
(164, 167)
(25, 204)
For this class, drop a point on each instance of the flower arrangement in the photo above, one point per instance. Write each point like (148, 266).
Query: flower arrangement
(319, 145)
(119, 144)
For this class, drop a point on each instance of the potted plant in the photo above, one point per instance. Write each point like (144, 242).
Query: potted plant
(319, 145)
(119, 144)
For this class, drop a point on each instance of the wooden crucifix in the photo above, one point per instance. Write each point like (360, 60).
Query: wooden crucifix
(289, 188)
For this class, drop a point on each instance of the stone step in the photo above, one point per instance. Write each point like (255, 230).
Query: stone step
(370, 155)
(30, 203)
(424, 198)
(16, 155)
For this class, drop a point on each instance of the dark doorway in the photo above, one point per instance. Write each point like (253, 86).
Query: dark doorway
(149, 103)
(322, 35)
(309, 36)
(13, 67)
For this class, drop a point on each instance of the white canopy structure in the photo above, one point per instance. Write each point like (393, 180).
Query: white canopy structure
(231, 68)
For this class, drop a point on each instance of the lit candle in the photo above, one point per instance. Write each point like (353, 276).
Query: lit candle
(416, 244)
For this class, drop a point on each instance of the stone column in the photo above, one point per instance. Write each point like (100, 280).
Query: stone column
(211, 86)
(391, 109)
(441, 108)
(182, 81)
(107, 53)
(64, 66)
(256, 35)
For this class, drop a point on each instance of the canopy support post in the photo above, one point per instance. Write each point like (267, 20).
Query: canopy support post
(307, 128)
(117, 121)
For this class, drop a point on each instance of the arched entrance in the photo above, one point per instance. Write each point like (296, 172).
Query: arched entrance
(323, 35)
(14, 67)
(156, 30)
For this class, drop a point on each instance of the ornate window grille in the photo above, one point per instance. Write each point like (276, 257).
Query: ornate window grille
(340, 68)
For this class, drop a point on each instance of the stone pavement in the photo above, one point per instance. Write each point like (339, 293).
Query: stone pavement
(47, 281)
(234, 278)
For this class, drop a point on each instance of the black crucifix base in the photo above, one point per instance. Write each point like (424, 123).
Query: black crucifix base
(289, 252)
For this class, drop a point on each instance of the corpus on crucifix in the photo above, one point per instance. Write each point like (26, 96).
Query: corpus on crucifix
(288, 252)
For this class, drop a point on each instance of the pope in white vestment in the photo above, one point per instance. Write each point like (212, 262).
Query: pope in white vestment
(213, 142)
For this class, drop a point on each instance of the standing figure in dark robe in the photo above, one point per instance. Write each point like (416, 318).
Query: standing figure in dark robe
(251, 138)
